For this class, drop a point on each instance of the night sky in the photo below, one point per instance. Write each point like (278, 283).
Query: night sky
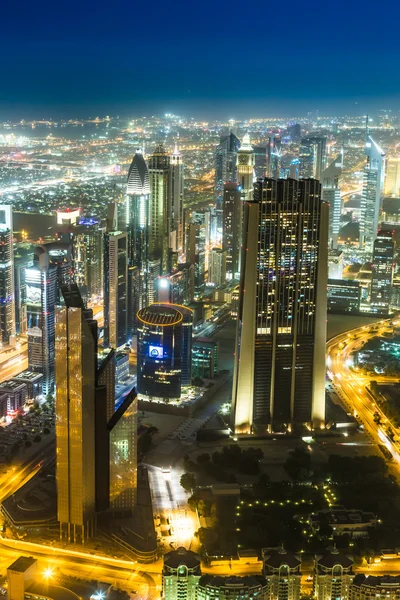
(198, 57)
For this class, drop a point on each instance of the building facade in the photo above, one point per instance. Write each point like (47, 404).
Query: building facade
(344, 296)
(217, 267)
(373, 182)
(382, 272)
(312, 157)
(370, 587)
(232, 228)
(181, 574)
(331, 194)
(333, 576)
(7, 297)
(282, 571)
(115, 288)
(232, 588)
(245, 168)
(279, 370)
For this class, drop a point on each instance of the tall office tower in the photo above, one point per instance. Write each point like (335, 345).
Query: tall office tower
(282, 570)
(87, 238)
(159, 175)
(373, 180)
(175, 222)
(382, 272)
(392, 183)
(60, 256)
(294, 131)
(335, 264)
(137, 223)
(217, 268)
(178, 287)
(196, 253)
(232, 229)
(279, 375)
(331, 195)
(181, 574)
(76, 362)
(274, 156)
(260, 161)
(333, 576)
(245, 168)
(115, 288)
(225, 165)
(7, 304)
(312, 157)
(23, 257)
(41, 296)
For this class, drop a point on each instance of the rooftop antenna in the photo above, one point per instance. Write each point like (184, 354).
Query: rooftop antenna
(366, 127)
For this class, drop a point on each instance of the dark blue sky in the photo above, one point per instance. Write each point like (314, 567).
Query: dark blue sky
(198, 57)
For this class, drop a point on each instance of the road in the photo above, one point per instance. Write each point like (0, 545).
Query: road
(351, 387)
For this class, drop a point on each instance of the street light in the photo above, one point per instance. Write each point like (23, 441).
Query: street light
(48, 573)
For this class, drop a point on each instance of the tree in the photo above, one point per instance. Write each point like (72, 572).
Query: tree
(37, 438)
(46, 430)
(188, 482)
(298, 465)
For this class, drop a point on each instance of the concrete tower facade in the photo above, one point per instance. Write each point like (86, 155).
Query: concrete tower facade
(331, 195)
(7, 300)
(245, 168)
(373, 181)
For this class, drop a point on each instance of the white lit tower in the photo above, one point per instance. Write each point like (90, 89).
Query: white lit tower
(159, 175)
(331, 194)
(373, 181)
(279, 370)
(245, 168)
(175, 222)
(7, 302)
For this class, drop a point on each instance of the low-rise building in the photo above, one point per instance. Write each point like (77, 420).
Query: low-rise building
(181, 574)
(352, 522)
(333, 575)
(20, 575)
(33, 381)
(232, 588)
(204, 359)
(282, 571)
(344, 296)
(369, 587)
(16, 393)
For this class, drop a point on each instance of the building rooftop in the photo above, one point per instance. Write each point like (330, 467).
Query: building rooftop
(246, 581)
(138, 177)
(276, 558)
(333, 558)
(22, 564)
(180, 557)
(11, 386)
(160, 314)
(375, 581)
(30, 376)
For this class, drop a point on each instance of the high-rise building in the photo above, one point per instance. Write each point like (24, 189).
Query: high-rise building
(159, 177)
(76, 364)
(7, 304)
(373, 180)
(175, 220)
(60, 256)
(245, 168)
(232, 229)
(392, 183)
(217, 267)
(204, 358)
(197, 244)
(333, 576)
(137, 221)
(164, 350)
(344, 296)
(274, 156)
(260, 161)
(115, 288)
(181, 574)
(331, 195)
(41, 294)
(225, 165)
(312, 157)
(232, 588)
(279, 375)
(23, 257)
(294, 131)
(282, 570)
(335, 264)
(382, 272)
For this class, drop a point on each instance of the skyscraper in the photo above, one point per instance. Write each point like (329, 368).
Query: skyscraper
(245, 168)
(232, 228)
(159, 175)
(225, 165)
(175, 221)
(41, 295)
(76, 362)
(217, 267)
(279, 375)
(274, 156)
(382, 272)
(115, 288)
(7, 303)
(312, 157)
(137, 223)
(331, 195)
(392, 183)
(373, 180)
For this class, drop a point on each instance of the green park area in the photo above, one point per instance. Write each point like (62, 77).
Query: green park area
(267, 513)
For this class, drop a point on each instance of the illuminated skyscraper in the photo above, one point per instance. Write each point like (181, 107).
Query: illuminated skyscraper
(373, 180)
(217, 267)
(382, 272)
(115, 288)
(392, 183)
(76, 363)
(274, 156)
(41, 295)
(225, 165)
(245, 168)
(232, 228)
(175, 221)
(312, 157)
(331, 195)
(7, 303)
(137, 224)
(159, 175)
(279, 375)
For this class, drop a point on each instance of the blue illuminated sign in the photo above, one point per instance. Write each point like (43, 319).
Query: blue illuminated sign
(156, 352)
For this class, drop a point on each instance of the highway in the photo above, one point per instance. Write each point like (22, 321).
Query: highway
(351, 387)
